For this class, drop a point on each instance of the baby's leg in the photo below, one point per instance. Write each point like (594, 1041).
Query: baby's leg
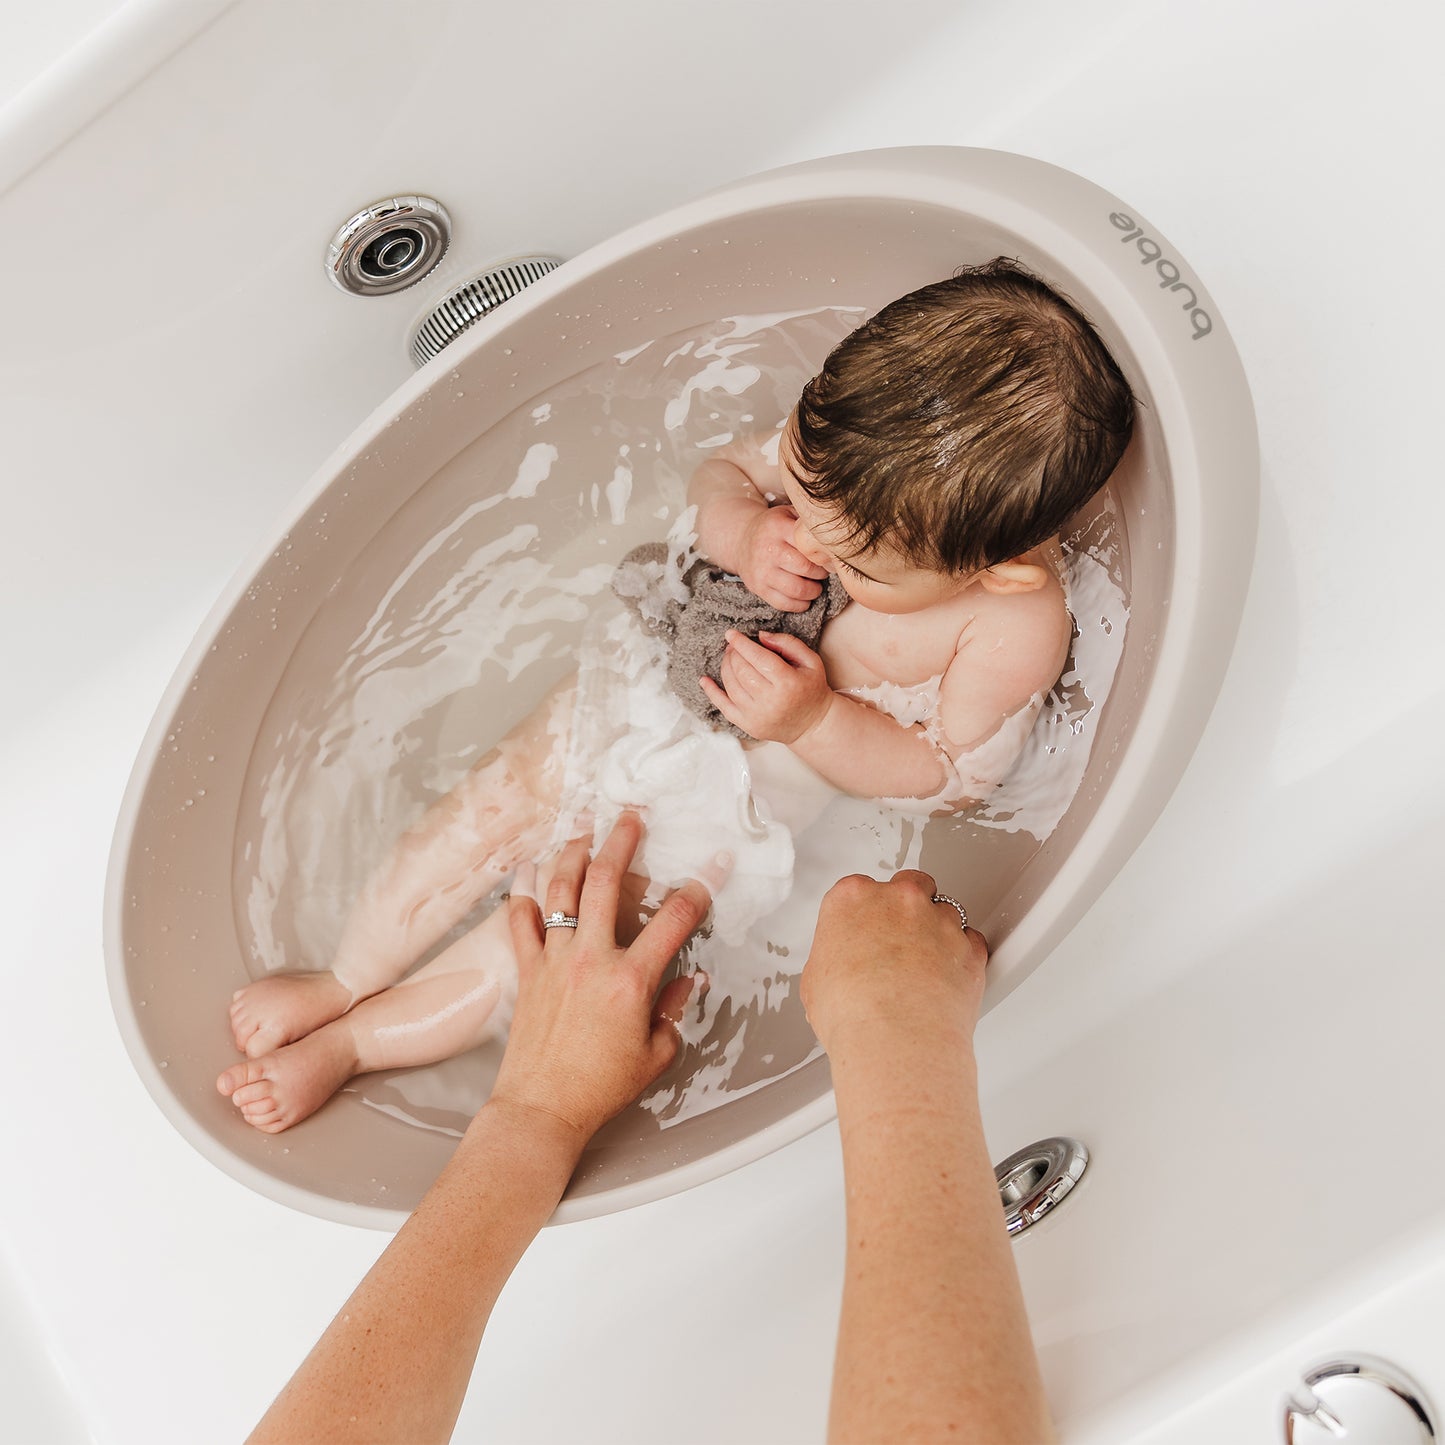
(461, 998)
(500, 813)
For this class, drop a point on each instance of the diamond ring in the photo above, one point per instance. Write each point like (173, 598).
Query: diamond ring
(953, 903)
(559, 920)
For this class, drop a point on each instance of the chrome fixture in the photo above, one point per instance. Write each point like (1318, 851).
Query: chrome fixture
(1361, 1399)
(465, 305)
(1036, 1179)
(389, 245)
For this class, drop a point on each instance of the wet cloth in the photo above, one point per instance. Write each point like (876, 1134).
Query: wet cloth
(694, 625)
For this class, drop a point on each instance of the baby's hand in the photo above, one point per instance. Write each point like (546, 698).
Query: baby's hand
(775, 690)
(772, 566)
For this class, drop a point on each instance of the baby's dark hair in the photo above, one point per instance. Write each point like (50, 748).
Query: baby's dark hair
(965, 422)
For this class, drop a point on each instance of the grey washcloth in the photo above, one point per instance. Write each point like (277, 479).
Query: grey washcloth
(695, 630)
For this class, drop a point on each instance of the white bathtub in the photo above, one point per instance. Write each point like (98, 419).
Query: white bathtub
(1243, 1027)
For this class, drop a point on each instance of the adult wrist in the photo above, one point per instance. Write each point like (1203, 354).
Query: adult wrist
(538, 1131)
(885, 1041)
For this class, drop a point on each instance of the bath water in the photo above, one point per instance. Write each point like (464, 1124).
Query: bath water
(482, 592)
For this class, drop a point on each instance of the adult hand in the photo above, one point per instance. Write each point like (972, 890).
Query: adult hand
(772, 566)
(590, 1031)
(886, 957)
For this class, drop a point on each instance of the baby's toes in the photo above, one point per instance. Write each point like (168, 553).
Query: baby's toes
(239, 1076)
(242, 1024)
(262, 1092)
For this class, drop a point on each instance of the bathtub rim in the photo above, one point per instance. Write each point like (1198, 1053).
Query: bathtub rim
(1195, 638)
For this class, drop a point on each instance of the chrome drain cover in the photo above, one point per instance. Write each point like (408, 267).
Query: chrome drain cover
(1036, 1179)
(389, 245)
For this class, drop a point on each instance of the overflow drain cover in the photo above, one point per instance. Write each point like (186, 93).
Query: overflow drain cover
(465, 305)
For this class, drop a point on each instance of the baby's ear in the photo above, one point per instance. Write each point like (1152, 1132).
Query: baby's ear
(1004, 578)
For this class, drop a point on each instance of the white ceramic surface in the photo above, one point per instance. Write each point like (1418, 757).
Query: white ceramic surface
(1245, 1026)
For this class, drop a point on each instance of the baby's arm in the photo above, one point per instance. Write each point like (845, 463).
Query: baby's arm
(742, 528)
(777, 689)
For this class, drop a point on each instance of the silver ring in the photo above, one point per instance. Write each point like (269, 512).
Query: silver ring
(559, 920)
(953, 903)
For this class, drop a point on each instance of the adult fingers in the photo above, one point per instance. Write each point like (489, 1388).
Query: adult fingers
(672, 1002)
(667, 1015)
(564, 892)
(916, 878)
(523, 917)
(602, 885)
(678, 917)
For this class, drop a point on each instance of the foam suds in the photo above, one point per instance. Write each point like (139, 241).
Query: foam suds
(487, 588)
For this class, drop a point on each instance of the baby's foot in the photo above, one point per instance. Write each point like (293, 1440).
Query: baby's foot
(278, 1010)
(283, 1088)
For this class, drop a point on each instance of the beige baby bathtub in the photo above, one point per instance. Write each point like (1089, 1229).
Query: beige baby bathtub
(853, 230)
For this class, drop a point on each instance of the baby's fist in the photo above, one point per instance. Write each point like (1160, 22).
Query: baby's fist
(773, 568)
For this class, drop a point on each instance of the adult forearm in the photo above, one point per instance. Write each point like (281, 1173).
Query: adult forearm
(865, 752)
(933, 1343)
(394, 1363)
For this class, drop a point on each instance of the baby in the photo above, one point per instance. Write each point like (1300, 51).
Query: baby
(929, 466)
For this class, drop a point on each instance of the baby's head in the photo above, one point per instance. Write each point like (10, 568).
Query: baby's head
(958, 428)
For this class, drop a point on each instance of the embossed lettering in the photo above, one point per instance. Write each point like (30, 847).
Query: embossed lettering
(1171, 278)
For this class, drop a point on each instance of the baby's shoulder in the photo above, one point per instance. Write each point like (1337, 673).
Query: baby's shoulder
(1011, 648)
(1019, 626)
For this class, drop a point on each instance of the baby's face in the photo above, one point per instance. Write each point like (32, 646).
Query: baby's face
(878, 579)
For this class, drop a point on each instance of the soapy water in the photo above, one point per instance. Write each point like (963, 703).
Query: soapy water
(508, 557)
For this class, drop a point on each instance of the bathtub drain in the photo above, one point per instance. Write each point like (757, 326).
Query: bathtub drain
(1036, 1179)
